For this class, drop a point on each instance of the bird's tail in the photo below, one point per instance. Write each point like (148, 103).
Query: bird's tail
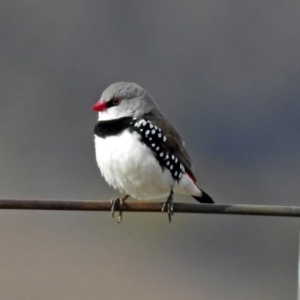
(204, 198)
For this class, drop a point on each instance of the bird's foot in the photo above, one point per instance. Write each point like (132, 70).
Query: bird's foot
(113, 207)
(170, 206)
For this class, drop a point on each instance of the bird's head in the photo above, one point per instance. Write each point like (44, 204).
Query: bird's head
(124, 99)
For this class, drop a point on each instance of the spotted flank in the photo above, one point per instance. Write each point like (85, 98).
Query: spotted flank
(152, 136)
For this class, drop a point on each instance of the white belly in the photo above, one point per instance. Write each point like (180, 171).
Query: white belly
(130, 166)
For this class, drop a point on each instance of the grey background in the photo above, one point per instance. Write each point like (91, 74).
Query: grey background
(226, 73)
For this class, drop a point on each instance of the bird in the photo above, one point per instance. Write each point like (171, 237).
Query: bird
(139, 152)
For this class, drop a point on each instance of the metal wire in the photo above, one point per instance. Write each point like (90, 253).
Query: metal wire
(143, 206)
(298, 291)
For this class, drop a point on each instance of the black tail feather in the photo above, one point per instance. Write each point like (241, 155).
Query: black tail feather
(204, 199)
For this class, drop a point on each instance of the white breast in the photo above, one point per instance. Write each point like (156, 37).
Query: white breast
(129, 166)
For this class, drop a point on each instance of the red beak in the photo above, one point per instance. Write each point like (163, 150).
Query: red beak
(100, 106)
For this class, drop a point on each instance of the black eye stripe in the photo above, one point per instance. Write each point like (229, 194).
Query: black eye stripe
(113, 102)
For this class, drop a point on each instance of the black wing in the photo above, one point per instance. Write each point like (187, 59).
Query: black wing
(174, 142)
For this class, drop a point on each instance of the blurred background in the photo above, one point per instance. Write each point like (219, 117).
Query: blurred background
(226, 74)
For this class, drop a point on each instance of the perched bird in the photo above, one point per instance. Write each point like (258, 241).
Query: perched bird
(138, 151)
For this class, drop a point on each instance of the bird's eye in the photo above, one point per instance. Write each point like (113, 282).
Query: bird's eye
(116, 101)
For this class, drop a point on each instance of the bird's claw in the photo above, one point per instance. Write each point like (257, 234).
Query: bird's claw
(169, 205)
(120, 216)
(113, 207)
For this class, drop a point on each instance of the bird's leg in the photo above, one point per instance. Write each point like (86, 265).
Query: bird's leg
(170, 206)
(113, 205)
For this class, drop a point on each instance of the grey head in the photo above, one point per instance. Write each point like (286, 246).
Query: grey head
(124, 99)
